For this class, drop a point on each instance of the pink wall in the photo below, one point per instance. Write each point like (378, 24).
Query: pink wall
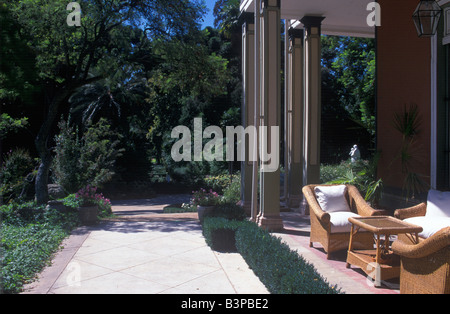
(403, 79)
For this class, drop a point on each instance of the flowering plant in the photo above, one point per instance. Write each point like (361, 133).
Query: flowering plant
(88, 196)
(205, 198)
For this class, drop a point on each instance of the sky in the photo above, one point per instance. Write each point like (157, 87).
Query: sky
(209, 18)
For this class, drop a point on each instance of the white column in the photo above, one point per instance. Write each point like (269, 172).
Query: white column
(257, 60)
(313, 106)
(248, 105)
(270, 112)
(294, 119)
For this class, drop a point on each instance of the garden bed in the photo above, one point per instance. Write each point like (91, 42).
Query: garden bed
(30, 235)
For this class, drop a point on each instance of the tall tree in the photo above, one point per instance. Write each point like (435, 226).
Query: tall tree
(66, 55)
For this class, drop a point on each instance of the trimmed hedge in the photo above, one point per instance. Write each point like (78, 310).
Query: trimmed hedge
(220, 233)
(228, 211)
(282, 270)
(279, 268)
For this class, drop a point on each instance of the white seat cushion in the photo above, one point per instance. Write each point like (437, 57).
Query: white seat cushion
(438, 204)
(332, 198)
(430, 225)
(339, 221)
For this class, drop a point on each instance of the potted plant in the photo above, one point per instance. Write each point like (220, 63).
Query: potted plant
(205, 202)
(87, 199)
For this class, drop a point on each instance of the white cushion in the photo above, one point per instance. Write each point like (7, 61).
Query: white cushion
(339, 221)
(430, 225)
(332, 198)
(438, 204)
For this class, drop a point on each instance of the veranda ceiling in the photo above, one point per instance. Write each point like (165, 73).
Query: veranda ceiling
(342, 17)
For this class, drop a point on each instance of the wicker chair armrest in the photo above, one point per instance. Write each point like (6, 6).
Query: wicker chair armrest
(425, 248)
(362, 207)
(314, 206)
(415, 211)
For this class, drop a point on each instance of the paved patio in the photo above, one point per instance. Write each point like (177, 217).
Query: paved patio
(351, 281)
(144, 251)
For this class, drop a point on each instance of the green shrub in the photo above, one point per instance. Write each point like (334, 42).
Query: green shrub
(281, 270)
(220, 183)
(21, 213)
(361, 174)
(87, 159)
(16, 175)
(182, 208)
(219, 233)
(232, 193)
(228, 211)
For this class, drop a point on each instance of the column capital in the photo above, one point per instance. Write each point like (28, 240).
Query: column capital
(246, 18)
(312, 21)
(270, 3)
(295, 33)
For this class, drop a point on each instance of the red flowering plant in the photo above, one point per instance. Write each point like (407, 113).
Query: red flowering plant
(205, 198)
(88, 196)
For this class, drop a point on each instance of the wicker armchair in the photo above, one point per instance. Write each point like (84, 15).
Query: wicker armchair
(416, 211)
(425, 267)
(321, 225)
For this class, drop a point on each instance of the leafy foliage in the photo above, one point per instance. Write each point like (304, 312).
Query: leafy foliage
(361, 174)
(30, 234)
(348, 97)
(8, 124)
(408, 124)
(86, 160)
(17, 175)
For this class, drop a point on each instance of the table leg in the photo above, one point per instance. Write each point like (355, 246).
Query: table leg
(350, 245)
(378, 252)
(377, 281)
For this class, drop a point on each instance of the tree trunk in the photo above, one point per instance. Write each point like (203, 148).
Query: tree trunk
(41, 142)
(41, 184)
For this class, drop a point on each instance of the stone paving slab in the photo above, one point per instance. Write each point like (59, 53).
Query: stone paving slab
(145, 253)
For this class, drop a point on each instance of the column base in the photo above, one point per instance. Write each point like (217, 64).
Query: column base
(304, 208)
(270, 223)
(294, 201)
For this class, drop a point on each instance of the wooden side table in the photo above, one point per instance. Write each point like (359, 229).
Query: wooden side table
(380, 263)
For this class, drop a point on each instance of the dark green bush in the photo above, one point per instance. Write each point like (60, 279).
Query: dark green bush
(229, 211)
(281, 270)
(219, 233)
(85, 159)
(221, 182)
(17, 175)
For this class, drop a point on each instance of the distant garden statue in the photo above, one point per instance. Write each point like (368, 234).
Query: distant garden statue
(355, 154)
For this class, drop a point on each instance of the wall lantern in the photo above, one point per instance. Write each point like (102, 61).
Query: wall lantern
(426, 18)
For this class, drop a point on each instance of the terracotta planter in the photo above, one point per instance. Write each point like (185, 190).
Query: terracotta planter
(203, 210)
(88, 215)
